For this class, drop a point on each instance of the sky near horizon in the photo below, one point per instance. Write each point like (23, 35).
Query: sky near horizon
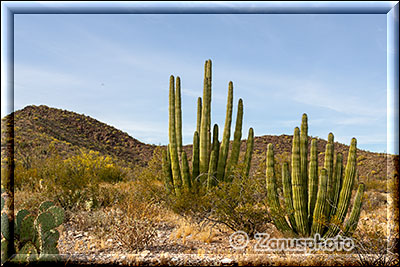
(116, 68)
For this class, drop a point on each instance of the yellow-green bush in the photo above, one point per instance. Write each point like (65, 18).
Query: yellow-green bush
(72, 182)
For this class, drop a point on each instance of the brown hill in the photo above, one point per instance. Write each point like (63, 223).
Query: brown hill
(37, 128)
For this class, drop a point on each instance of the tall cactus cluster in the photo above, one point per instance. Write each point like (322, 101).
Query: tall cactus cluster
(316, 200)
(210, 161)
(35, 237)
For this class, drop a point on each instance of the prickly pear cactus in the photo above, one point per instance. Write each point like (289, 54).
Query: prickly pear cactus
(37, 237)
(5, 233)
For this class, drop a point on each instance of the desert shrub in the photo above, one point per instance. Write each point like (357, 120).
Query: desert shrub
(74, 182)
(373, 245)
(238, 204)
(130, 221)
(149, 180)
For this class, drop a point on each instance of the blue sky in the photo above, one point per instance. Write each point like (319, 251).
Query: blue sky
(116, 68)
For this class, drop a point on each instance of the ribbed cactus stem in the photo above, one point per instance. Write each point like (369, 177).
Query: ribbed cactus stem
(209, 74)
(195, 156)
(185, 172)
(328, 165)
(352, 222)
(212, 170)
(199, 105)
(209, 144)
(215, 143)
(233, 160)
(345, 191)
(272, 194)
(249, 152)
(178, 116)
(204, 126)
(312, 180)
(319, 219)
(166, 165)
(304, 154)
(224, 149)
(176, 174)
(338, 174)
(298, 187)
(287, 194)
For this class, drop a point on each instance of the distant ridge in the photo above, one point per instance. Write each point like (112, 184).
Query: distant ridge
(38, 126)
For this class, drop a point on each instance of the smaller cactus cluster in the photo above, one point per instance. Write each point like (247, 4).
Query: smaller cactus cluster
(36, 237)
(210, 162)
(316, 199)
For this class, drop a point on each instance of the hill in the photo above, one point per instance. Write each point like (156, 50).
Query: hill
(40, 128)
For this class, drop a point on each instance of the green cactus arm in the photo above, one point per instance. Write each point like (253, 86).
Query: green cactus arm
(337, 182)
(249, 152)
(352, 222)
(312, 180)
(212, 170)
(195, 157)
(304, 154)
(209, 74)
(209, 144)
(272, 194)
(319, 219)
(204, 126)
(215, 144)
(328, 165)
(178, 116)
(287, 194)
(237, 135)
(185, 172)
(298, 187)
(223, 154)
(198, 125)
(176, 174)
(167, 172)
(345, 191)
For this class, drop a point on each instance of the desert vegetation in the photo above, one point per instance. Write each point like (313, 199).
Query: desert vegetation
(89, 192)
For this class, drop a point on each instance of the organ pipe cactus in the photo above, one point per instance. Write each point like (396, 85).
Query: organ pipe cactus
(185, 171)
(312, 180)
(199, 108)
(298, 187)
(249, 152)
(205, 142)
(233, 160)
(178, 116)
(195, 156)
(205, 115)
(224, 149)
(176, 173)
(315, 204)
(273, 200)
(166, 165)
